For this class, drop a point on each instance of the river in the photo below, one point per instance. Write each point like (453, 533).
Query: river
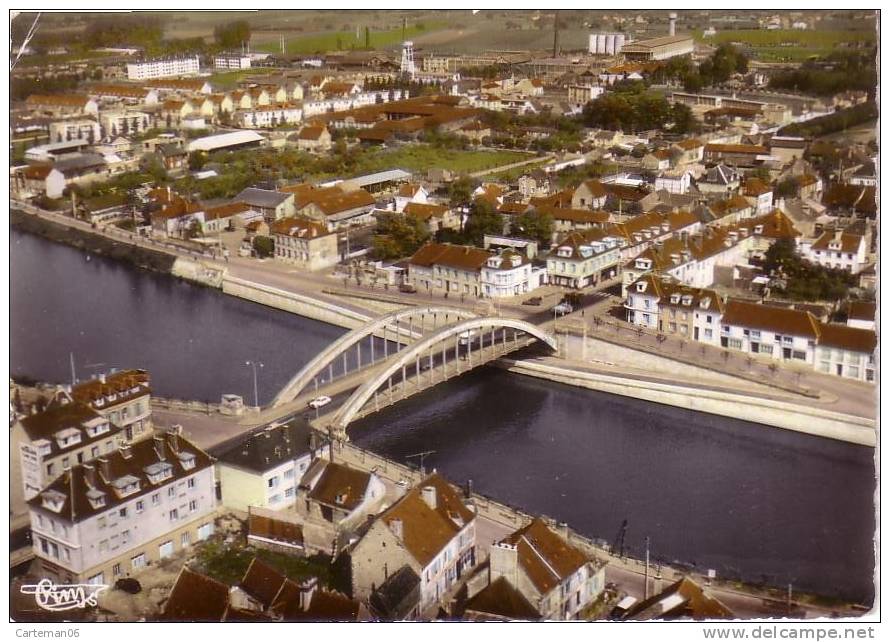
(749, 501)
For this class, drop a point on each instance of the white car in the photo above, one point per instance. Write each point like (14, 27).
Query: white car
(563, 308)
(318, 402)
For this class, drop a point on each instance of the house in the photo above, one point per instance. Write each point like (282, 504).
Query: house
(657, 161)
(195, 597)
(557, 579)
(778, 333)
(174, 157)
(60, 105)
(334, 500)
(314, 138)
(729, 211)
(569, 220)
(677, 182)
(475, 131)
(111, 518)
(583, 258)
(265, 468)
(856, 200)
(738, 155)
(591, 195)
(429, 529)
(273, 205)
(720, 179)
(691, 150)
(410, 193)
(398, 598)
(443, 267)
(105, 209)
(228, 216)
(499, 601)
(510, 274)
(760, 194)
(304, 242)
(75, 169)
(336, 206)
(172, 111)
(682, 600)
(846, 351)
(787, 148)
(177, 217)
(660, 302)
(840, 250)
(491, 193)
(862, 314)
(434, 217)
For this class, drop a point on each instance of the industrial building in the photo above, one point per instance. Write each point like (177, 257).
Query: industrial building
(658, 48)
(606, 44)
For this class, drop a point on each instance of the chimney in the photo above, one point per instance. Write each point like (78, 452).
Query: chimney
(89, 474)
(395, 525)
(429, 496)
(307, 590)
(173, 438)
(104, 468)
(672, 24)
(159, 448)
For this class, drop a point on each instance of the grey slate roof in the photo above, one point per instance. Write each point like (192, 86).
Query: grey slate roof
(269, 447)
(261, 197)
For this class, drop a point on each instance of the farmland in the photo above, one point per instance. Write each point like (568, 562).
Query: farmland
(346, 40)
(422, 157)
(791, 45)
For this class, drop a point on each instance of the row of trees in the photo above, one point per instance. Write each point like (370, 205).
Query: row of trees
(838, 121)
(840, 71)
(637, 109)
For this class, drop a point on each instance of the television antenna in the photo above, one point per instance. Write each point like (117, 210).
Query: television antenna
(421, 456)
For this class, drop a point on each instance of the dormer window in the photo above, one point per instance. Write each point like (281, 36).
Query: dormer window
(96, 498)
(68, 437)
(340, 499)
(159, 472)
(758, 229)
(126, 485)
(52, 500)
(586, 251)
(564, 252)
(705, 303)
(641, 286)
(687, 299)
(97, 427)
(43, 447)
(187, 460)
(675, 299)
(643, 264)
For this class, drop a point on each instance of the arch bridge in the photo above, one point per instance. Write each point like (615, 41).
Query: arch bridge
(447, 352)
(344, 356)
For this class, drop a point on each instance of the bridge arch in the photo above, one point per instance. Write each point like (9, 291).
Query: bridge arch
(347, 412)
(326, 357)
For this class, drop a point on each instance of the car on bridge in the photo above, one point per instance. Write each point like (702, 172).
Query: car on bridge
(318, 402)
(563, 308)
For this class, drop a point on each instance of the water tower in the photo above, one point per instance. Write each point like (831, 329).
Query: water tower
(672, 29)
(407, 67)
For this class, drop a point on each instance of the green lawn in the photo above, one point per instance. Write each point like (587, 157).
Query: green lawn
(789, 45)
(423, 157)
(345, 40)
(228, 562)
(226, 80)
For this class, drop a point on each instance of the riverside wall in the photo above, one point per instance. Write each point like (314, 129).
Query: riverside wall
(808, 419)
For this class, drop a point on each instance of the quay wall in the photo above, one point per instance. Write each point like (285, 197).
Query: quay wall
(780, 414)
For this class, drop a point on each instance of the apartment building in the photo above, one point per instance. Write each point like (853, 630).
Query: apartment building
(127, 510)
(583, 258)
(838, 250)
(70, 129)
(846, 351)
(164, 67)
(124, 122)
(123, 397)
(443, 267)
(430, 530)
(510, 274)
(231, 61)
(660, 302)
(265, 469)
(773, 332)
(304, 242)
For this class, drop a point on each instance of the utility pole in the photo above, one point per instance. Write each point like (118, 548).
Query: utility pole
(646, 585)
(256, 396)
(421, 456)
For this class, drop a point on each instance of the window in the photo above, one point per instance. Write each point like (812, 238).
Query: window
(116, 569)
(734, 343)
(853, 371)
(205, 531)
(140, 506)
(799, 354)
(708, 333)
(824, 366)
(165, 550)
(66, 463)
(94, 452)
(101, 521)
(289, 492)
(191, 482)
(99, 578)
(273, 482)
(123, 512)
(289, 474)
(185, 539)
(103, 546)
(125, 537)
(193, 505)
(274, 499)
(171, 492)
(174, 515)
(138, 561)
(49, 469)
(155, 499)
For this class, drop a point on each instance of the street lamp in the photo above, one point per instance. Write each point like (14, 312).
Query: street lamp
(256, 396)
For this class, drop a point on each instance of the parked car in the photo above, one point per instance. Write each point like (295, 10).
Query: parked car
(535, 300)
(318, 402)
(563, 308)
(407, 288)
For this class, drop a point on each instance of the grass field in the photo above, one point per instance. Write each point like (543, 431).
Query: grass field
(792, 45)
(424, 157)
(226, 80)
(345, 40)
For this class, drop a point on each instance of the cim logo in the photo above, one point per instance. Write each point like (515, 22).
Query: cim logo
(64, 597)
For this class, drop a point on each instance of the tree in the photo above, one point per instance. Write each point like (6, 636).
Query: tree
(367, 37)
(232, 34)
(264, 246)
(193, 230)
(460, 192)
(483, 219)
(398, 235)
(535, 226)
(197, 160)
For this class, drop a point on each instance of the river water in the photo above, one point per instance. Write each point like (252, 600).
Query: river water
(749, 501)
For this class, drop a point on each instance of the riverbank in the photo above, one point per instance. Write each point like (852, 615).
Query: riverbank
(141, 257)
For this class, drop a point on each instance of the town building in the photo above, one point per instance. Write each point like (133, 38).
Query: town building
(70, 129)
(273, 205)
(163, 67)
(231, 61)
(434, 217)
(314, 138)
(229, 141)
(582, 259)
(112, 518)
(62, 105)
(554, 577)
(839, 250)
(861, 314)
(662, 48)
(660, 302)
(304, 242)
(431, 530)
(846, 351)
(452, 269)
(510, 274)
(682, 600)
(122, 396)
(773, 332)
(265, 469)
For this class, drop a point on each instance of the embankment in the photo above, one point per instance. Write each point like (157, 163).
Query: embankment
(808, 419)
(142, 257)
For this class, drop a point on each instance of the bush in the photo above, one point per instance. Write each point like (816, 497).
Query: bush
(264, 246)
